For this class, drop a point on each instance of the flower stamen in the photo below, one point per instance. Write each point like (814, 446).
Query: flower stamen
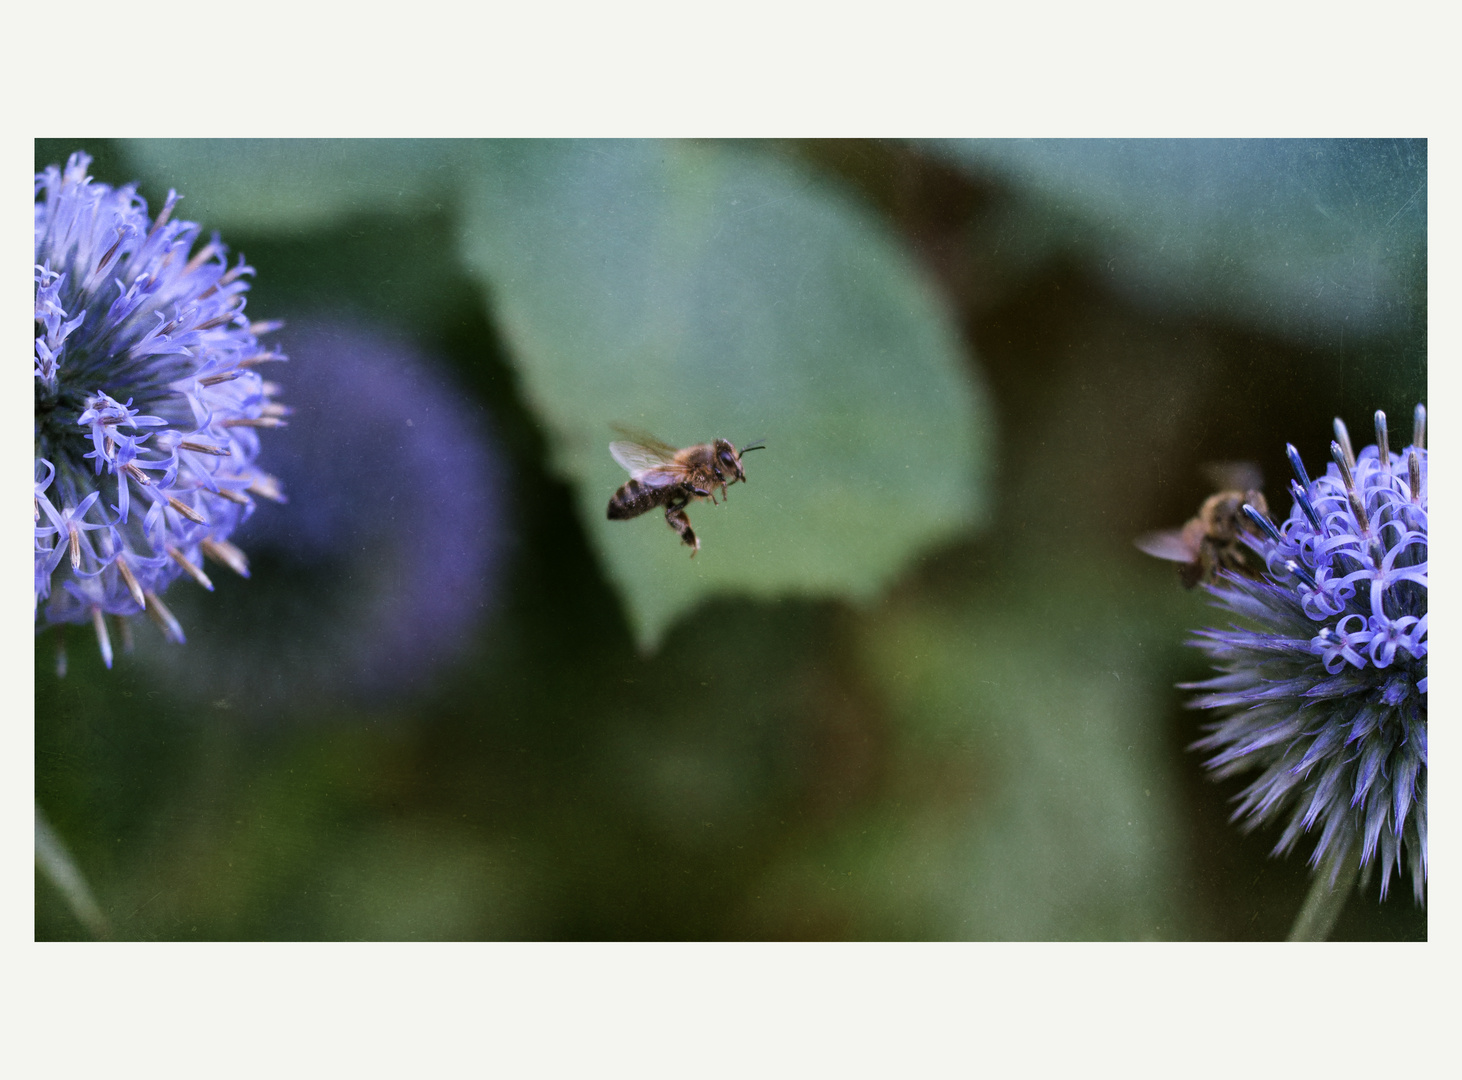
(1300, 572)
(206, 252)
(267, 487)
(1262, 521)
(166, 213)
(260, 358)
(1297, 465)
(194, 571)
(253, 421)
(221, 551)
(103, 639)
(187, 511)
(1301, 497)
(159, 613)
(133, 585)
(1342, 436)
(1345, 460)
(220, 320)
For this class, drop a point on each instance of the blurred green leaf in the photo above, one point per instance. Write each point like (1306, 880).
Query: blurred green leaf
(421, 881)
(281, 186)
(1030, 795)
(700, 291)
(1312, 238)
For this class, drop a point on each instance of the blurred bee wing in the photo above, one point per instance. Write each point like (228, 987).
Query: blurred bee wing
(1169, 544)
(637, 458)
(644, 438)
(1234, 476)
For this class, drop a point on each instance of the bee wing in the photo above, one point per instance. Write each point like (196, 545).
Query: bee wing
(644, 438)
(1234, 476)
(640, 459)
(1171, 544)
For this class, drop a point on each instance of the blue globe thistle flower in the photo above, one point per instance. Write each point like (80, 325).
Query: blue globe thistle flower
(147, 404)
(1323, 691)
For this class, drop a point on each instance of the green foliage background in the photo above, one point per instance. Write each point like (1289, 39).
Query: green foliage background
(917, 683)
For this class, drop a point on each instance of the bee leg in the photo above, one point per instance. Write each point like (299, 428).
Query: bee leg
(676, 517)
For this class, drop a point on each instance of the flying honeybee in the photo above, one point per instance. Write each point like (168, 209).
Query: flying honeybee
(1211, 541)
(661, 475)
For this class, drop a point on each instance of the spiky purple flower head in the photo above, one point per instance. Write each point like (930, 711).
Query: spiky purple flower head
(147, 404)
(1323, 691)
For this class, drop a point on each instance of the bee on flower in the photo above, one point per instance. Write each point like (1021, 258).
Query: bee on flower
(1322, 683)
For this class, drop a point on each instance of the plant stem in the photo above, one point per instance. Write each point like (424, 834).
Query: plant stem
(56, 863)
(1323, 904)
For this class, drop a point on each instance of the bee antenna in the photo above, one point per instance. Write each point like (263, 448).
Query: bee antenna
(759, 444)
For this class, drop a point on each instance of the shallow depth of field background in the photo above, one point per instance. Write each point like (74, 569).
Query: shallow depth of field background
(917, 684)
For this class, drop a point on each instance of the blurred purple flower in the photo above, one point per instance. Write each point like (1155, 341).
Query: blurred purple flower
(384, 561)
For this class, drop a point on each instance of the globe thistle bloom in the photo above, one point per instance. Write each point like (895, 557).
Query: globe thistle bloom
(147, 406)
(1323, 690)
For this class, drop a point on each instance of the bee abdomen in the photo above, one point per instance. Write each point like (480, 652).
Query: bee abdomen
(632, 500)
